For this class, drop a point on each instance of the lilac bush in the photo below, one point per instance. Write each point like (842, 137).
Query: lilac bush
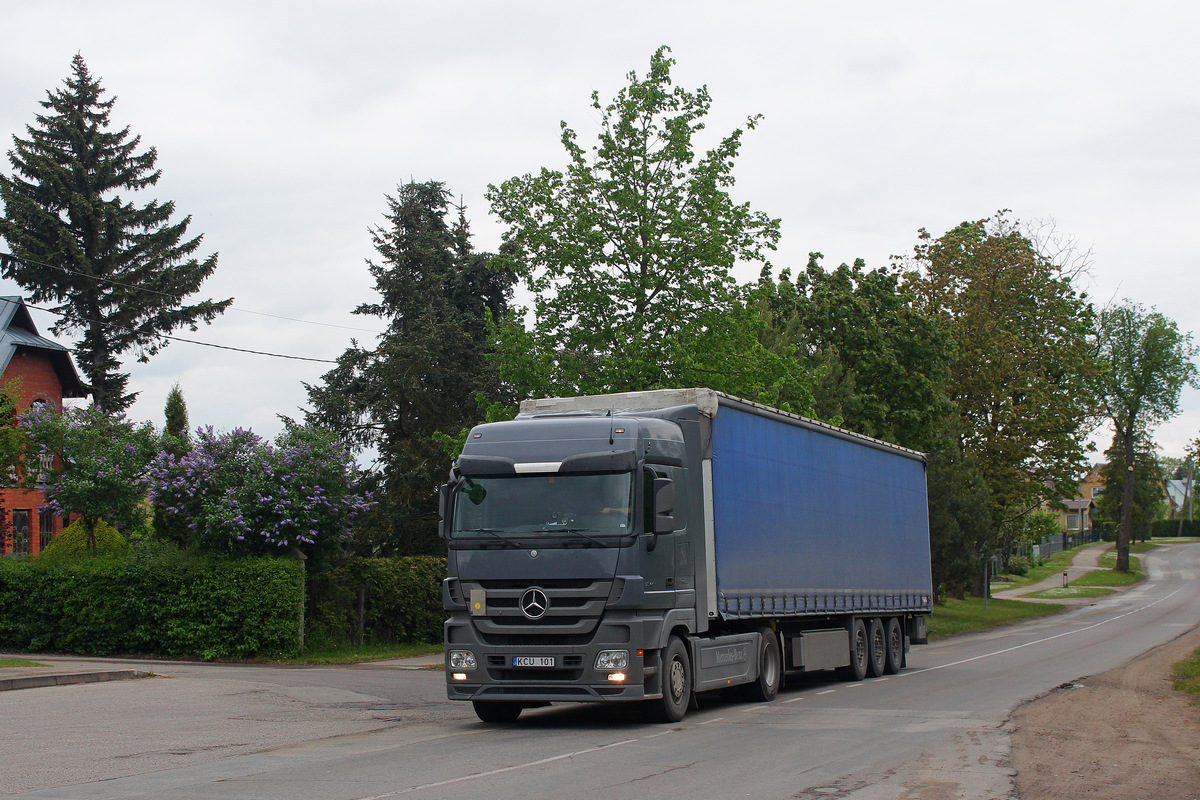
(99, 463)
(242, 495)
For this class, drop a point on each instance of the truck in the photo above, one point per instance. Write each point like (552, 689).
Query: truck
(650, 546)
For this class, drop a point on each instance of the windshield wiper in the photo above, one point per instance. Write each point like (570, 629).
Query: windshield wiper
(577, 531)
(493, 532)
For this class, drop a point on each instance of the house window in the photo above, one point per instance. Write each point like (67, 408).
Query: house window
(1097, 491)
(1073, 521)
(20, 531)
(45, 528)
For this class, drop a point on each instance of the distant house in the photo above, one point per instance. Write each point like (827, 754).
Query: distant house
(46, 375)
(1075, 513)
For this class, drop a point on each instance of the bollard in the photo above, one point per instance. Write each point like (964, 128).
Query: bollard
(1064, 579)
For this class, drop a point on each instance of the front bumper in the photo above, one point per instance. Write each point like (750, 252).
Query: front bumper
(572, 679)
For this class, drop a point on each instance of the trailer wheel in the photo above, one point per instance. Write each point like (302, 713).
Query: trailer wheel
(877, 647)
(676, 683)
(497, 711)
(859, 652)
(895, 647)
(770, 670)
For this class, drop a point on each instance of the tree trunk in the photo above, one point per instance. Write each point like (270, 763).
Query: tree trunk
(1125, 529)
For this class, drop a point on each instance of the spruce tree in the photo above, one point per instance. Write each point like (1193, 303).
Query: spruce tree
(118, 273)
(428, 369)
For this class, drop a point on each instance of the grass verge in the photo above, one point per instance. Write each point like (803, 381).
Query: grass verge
(1055, 562)
(1109, 577)
(1059, 593)
(354, 654)
(959, 616)
(18, 662)
(1186, 675)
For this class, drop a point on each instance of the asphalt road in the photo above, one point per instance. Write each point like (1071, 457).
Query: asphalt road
(937, 730)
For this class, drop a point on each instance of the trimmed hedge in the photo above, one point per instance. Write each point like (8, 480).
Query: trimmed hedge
(402, 601)
(153, 602)
(1170, 527)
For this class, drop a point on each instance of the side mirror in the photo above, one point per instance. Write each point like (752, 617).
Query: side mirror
(443, 509)
(664, 504)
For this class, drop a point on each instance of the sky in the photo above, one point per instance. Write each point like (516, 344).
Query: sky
(281, 128)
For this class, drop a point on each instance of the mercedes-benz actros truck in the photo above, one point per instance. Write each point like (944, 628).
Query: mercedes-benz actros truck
(649, 546)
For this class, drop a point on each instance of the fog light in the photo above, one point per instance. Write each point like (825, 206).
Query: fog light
(459, 676)
(616, 677)
(462, 659)
(612, 659)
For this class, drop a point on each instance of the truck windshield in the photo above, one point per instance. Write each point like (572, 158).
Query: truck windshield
(544, 505)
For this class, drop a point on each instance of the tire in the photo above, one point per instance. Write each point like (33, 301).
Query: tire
(895, 647)
(676, 684)
(858, 653)
(497, 712)
(877, 648)
(770, 670)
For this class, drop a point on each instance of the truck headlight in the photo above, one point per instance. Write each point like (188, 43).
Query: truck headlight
(612, 659)
(462, 659)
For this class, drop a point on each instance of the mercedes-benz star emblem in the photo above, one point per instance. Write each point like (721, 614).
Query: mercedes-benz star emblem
(534, 603)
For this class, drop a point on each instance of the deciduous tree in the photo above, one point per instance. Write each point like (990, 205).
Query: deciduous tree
(1145, 362)
(629, 255)
(1019, 362)
(117, 273)
(99, 466)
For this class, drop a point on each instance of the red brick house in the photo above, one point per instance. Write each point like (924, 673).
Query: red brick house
(46, 375)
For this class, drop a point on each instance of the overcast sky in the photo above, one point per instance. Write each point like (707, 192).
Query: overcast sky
(280, 127)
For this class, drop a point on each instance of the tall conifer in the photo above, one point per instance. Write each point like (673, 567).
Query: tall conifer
(118, 273)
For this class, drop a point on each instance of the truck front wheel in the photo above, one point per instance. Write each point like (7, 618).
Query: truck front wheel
(497, 711)
(676, 683)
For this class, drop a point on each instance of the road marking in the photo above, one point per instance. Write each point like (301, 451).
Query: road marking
(514, 767)
(828, 691)
(710, 721)
(1040, 641)
(794, 700)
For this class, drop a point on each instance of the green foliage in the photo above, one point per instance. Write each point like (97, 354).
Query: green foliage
(176, 433)
(1169, 528)
(629, 256)
(1019, 363)
(402, 601)
(1148, 498)
(877, 363)
(153, 601)
(100, 462)
(76, 540)
(117, 272)
(1018, 565)
(429, 376)
(1145, 361)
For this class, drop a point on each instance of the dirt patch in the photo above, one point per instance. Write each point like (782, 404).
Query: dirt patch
(1121, 735)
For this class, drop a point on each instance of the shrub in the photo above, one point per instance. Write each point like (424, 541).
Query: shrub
(73, 541)
(153, 601)
(402, 601)
(1018, 565)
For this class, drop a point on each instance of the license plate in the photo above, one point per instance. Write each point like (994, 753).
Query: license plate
(533, 661)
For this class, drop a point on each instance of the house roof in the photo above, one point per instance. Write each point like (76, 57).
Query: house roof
(18, 331)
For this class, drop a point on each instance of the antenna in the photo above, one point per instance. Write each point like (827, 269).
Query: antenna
(610, 426)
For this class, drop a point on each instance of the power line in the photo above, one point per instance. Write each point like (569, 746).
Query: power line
(5, 257)
(190, 341)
